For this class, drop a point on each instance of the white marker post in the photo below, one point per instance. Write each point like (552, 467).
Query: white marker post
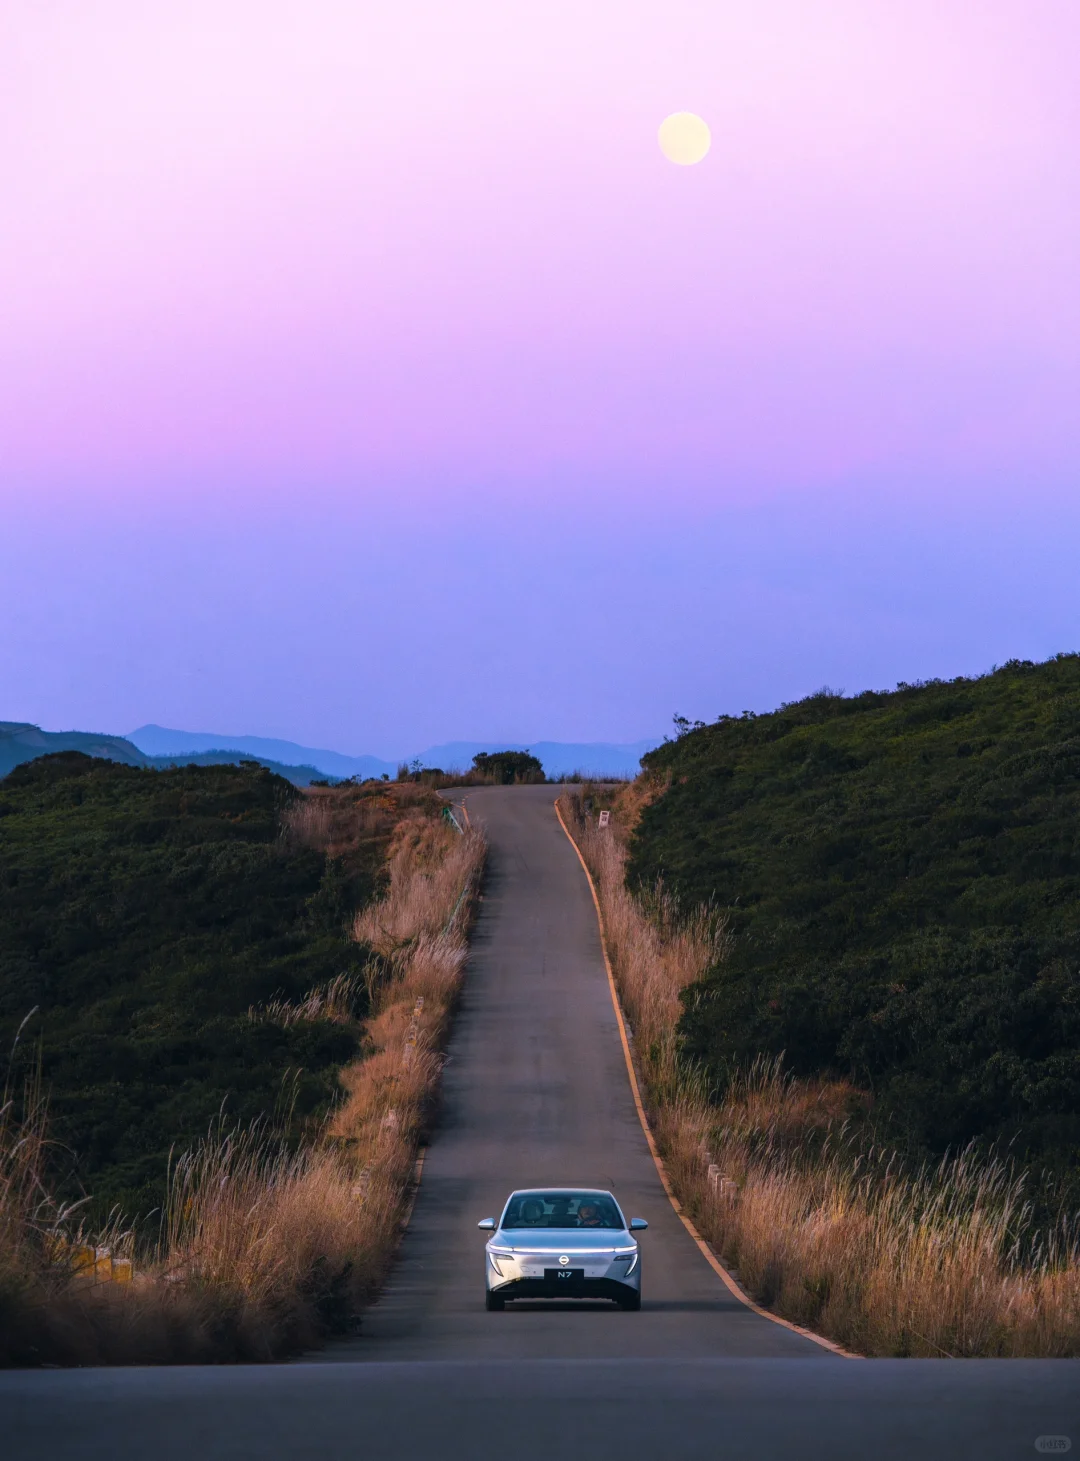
(603, 819)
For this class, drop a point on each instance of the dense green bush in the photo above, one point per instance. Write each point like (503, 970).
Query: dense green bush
(506, 768)
(142, 912)
(903, 875)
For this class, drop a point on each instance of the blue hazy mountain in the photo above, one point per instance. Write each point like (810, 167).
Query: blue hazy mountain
(157, 740)
(21, 742)
(154, 745)
(558, 758)
(298, 775)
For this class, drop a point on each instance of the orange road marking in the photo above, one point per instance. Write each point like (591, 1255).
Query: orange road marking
(708, 1253)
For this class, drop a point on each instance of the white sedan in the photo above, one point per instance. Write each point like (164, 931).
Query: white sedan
(562, 1244)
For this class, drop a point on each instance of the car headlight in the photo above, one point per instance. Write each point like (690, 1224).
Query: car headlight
(495, 1264)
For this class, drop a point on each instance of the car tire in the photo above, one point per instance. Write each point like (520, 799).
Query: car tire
(631, 1303)
(493, 1302)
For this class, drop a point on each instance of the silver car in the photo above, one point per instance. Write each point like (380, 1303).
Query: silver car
(562, 1243)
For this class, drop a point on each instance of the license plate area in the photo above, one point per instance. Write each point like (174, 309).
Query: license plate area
(564, 1278)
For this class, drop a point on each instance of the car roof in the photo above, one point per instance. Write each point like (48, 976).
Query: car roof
(525, 1191)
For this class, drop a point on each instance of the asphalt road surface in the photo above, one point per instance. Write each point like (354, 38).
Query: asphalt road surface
(536, 1092)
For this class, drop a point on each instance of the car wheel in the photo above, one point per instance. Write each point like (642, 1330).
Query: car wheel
(493, 1302)
(631, 1303)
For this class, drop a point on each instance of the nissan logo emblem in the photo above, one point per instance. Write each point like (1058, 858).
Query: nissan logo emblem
(564, 1258)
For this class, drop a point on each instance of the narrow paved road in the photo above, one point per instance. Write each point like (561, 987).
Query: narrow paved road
(536, 1092)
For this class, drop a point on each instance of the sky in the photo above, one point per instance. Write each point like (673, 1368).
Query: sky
(369, 378)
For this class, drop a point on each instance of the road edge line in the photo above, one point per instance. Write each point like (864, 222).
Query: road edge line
(661, 1168)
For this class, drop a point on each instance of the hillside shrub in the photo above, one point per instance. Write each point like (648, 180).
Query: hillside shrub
(142, 915)
(507, 768)
(902, 876)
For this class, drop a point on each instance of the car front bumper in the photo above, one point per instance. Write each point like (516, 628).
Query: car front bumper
(586, 1288)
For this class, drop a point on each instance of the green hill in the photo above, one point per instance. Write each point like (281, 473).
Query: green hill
(903, 875)
(142, 912)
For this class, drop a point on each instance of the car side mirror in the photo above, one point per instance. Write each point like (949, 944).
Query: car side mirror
(638, 1225)
(488, 1224)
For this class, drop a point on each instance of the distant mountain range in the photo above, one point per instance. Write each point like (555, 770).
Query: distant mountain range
(156, 746)
(158, 740)
(558, 758)
(21, 742)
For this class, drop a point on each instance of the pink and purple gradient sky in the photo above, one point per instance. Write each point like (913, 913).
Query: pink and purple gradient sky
(368, 377)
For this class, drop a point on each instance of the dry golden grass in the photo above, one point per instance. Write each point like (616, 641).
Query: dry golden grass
(429, 864)
(309, 821)
(265, 1249)
(655, 957)
(334, 1001)
(781, 1177)
(337, 819)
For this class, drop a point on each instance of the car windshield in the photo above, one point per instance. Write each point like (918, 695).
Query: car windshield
(561, 1210)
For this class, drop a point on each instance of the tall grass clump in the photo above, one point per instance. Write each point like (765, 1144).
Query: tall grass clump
(418, 931)
(28, 1218)
(266, 1244)
(786, 1181)
(657, 948)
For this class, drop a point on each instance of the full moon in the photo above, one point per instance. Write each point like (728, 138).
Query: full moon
(684, 138)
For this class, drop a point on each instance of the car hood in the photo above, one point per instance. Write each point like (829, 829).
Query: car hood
(562, 1240)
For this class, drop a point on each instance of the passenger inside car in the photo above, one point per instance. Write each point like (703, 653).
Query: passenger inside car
(562, 1210)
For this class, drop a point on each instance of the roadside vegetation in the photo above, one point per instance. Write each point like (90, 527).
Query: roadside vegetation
(489, 768)
(142, 915)
(847, 937)
(246, 1036)
(902, 877)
